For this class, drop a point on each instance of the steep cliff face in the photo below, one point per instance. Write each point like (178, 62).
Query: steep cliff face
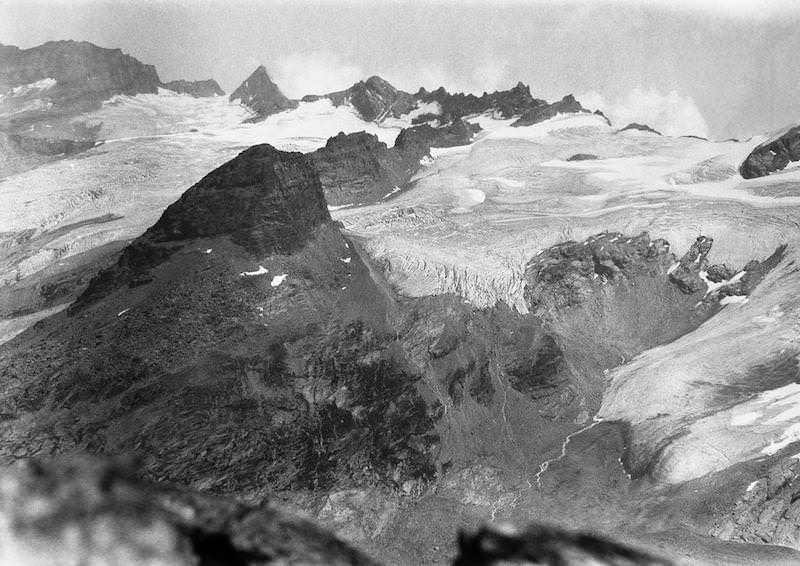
(208, 87)
(359, 169)
(83, 72)
(773, 155)
(265, 200)
(261, 95)
(374, 99)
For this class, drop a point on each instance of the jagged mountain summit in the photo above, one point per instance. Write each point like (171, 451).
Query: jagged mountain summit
(261, 95)
(374, 99)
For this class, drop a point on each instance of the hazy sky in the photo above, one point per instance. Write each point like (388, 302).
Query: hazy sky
(728, 68)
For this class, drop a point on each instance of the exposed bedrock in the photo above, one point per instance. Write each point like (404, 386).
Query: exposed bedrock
(373, 99)
(197, 89)
(265, 200)
(767, 510)
(82, 71)
(773, 155)
(261, 95)
(357, 168)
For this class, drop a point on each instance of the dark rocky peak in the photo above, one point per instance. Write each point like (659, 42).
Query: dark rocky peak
(82, 71)
(539, 113)
(374, 99)
(358, 168)
(267, 201)
(772, 155)
(419, 139)
(639, 127)
(508, 103)
(261, 95)
(197, 89)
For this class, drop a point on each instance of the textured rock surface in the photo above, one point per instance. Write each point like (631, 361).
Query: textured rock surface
(208, 87)
(266, 200)
(359, 169)
(638, 127)
(374, 99)
(90, 511)
(537, 114)
(507, 103)
(772, 155)
(261, 95)
(769, 509)
(83, 72)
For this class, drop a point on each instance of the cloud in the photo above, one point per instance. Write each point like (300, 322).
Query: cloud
(671, 114)
(316, 72)
(491, 74)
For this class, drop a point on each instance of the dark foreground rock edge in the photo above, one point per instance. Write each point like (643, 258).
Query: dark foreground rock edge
(81, 510)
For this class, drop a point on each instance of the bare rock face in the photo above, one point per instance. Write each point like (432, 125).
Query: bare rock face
(91, 511)
(261, 95)
(639, 127)
(197, 89)
(458, 132)
(547, 546)
(769, 509)
(266, 200)
(358, 168)
(773, 155)
(540, 113)
(82, 71)
(508, 103)
(374, 99)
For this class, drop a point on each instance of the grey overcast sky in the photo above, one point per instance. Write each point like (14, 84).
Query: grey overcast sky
(726, 68)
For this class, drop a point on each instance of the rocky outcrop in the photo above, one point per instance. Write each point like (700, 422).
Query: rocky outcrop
(357, 168)
(639, 127)
(582, 157)
(769, 509)
(265, 200)
(83, 72)
(374, 99)
(261, 95)
(686, 274)
(549, 546)
(90, 511)
(507, 103)
(413, 140)
(540, 113)
(773, 155)
(197, 89)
